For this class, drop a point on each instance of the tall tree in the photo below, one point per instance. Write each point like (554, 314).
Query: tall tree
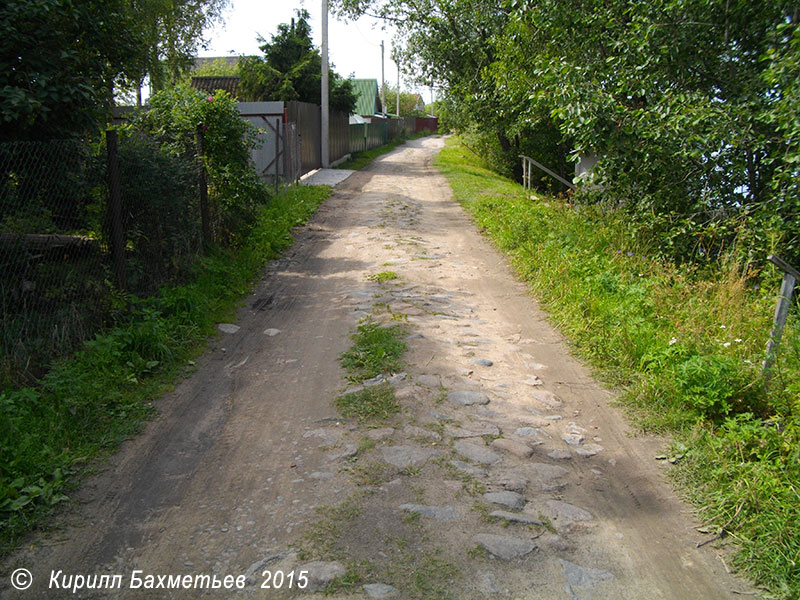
(171, 32)
(60, 60)
(291, 69)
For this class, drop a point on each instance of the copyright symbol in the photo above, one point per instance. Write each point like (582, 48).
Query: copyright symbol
(21, 579)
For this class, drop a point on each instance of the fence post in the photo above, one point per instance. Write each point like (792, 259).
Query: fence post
(205, 213)
(790, 277)
(277, 151)
(115, 211)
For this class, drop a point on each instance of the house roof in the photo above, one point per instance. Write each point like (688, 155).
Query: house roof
(367, 100)
(212, 84)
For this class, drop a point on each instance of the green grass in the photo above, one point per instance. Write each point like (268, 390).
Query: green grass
(90, 402)
(383, 276)
(375, 403)
(359, 160)
(375, 350)
(684, 345)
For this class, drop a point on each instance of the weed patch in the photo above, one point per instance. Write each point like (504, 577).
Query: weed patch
(375, 350)
(383, 276)
(375, 403)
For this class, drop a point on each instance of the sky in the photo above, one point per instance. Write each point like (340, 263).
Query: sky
(354, 48)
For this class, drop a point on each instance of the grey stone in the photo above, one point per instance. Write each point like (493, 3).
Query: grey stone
(506, 498)
(422, 433)
(518, 449)
(531, 431)
(486, 583)
(468, 397)
(545, 477)
(380, 434)
(397, 378)
(414, 336)
(487, 412)
(440, 416)
(321, 573)
(379, 590)
(474, 430)
(515, 517)
(549, 399)
(504, 547)
(476, 453)
(271, 332)
(348, 451)
(516, 482)
(584, 577)
(573, 439)
(569, 511)
(484, 362)
(431, 381)
(378, 379)
(468, 468)
(589, 450)
(406, 456)
(326, 434)
(437, 513)
(321, 475)
(559, 455)
(228, 328)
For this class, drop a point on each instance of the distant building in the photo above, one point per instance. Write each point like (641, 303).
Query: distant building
(368, 101)
(419, 103)
(213, 83)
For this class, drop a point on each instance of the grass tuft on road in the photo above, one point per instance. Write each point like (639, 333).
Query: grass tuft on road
(100, 396)
(684, 344)
(375, 403)
(376, 350)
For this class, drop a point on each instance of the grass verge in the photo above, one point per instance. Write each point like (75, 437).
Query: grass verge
(684, 345)
(359, 160)
(90, 402)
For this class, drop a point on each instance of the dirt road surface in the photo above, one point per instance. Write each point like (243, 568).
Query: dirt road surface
(248, 468)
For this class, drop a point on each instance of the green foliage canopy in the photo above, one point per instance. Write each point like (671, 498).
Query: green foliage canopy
(690, 104)
(61, 61)
(291, 70)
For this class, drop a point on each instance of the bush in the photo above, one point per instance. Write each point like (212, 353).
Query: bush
(234, 187)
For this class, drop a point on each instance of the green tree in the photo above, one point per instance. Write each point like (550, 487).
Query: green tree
(408, 103)
(61, 61)
(170, 33)
(291, 70)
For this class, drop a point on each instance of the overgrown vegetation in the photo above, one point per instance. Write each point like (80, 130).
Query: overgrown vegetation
(53, 87)
(686, 343)
(689, 106)
(90, 402)
(376, 350)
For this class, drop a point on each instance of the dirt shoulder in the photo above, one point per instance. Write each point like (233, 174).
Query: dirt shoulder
(249, 468)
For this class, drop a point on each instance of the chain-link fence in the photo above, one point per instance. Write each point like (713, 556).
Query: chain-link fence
(59, 284)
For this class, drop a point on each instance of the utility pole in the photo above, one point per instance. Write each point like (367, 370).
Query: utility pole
(383, 84)
(398, 88)
(325, 116)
